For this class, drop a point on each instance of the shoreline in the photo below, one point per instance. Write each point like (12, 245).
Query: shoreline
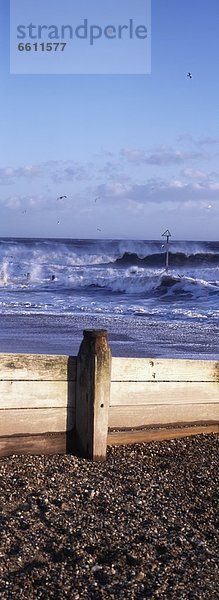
(52, 334)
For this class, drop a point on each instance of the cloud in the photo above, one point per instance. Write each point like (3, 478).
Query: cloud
(6, 173)
(13, 203)
(194, 174)
(203, 141)
(159, 191)
(174, 157)
(109, 168)
(214, 186)
(114, 189)
(208, 141)
(162, 157)
(24, 203)
(133, 155)
(111, 172)
(71, 173)
(103, 153)
(185, 137)
(57, 171)
(28, 204)
(9, 174)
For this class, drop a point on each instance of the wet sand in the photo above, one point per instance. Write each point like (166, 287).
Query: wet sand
(50, 334)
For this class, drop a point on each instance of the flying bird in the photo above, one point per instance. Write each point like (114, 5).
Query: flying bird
(189, 75)
(61, 197)
(98, 229)
(97, 198)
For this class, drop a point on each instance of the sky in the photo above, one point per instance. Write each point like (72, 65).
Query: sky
(134, 154)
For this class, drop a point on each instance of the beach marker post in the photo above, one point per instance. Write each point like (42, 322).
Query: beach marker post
(167, 234)
(93, 394)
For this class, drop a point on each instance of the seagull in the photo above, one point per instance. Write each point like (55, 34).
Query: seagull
(189, 75)
(97, 198)
(98, 229)
(61, 197)
(58, 222)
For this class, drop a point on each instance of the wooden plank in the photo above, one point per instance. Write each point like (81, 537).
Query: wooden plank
(139, 416)
(36, 420)
(29, 394)
(153, 369)
(117, 438)
(56, 443)
(34, 367)
(134, 393)
(93, 394)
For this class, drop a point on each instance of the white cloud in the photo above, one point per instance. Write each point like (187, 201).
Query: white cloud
(57, 171)
(159, 191)
(162, 157)
(194, 174)
(13, 203)
(9, 174)
(214, 186)
(176, 183)
(114, 189)
(133, 155)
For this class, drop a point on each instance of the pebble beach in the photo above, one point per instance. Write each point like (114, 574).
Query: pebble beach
(143, 524)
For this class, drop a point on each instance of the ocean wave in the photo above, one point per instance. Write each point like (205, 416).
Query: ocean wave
(110, 266)
(109, 252)
(159, 285)
(177, 259)
(133, 281)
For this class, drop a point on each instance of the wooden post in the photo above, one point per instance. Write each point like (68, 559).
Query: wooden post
(93, 394)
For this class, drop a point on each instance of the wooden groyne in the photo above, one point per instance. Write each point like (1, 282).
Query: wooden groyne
(58, 404)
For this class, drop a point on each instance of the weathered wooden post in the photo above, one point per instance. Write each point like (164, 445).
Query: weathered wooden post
(93, 394)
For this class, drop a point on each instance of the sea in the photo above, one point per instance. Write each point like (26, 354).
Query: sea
(53, 289)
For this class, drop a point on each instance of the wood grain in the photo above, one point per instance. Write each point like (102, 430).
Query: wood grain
(93, 394)
(56, 443)
(153, 369)
(36, 420)
(34, 367)
(139, 416)
(36, 394)
(116, 438)
(140, 392)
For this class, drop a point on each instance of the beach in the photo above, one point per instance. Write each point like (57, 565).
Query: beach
(143, 524)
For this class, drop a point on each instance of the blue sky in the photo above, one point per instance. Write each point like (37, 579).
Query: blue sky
(134, 154)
